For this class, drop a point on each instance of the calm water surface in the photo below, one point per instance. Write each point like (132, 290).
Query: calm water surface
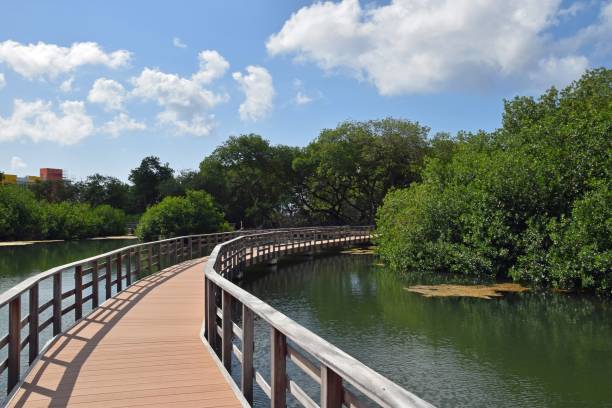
(521, 350)
(20, 262)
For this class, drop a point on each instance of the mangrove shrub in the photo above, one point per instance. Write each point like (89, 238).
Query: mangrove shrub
(195, 213)
(530, 201)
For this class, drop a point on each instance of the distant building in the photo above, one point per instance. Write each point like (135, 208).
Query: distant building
(9, 179)
(47, 174)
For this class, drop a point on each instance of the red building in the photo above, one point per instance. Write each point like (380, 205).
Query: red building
(51, 174)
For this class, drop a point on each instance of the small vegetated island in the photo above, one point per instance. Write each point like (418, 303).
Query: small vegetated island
(530, 201)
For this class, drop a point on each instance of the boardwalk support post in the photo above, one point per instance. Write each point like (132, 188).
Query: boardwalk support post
(278, 369)
(247, 354)
(57, 304)
(78, 292)
(33, 324)
(226, 330)
(14, 343)
(331, 388)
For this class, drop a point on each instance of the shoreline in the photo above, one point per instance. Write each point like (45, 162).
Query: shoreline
(48, 241)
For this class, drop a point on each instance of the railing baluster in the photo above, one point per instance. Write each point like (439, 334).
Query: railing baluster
(14, 343)
(278, 369)
(57, 303)
(190, 243)
(331, 388)
(78, 292)
(247, 354)
(33, 324)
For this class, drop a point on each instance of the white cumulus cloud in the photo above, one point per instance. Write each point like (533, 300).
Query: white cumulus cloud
(17, 163)
(178, 43)
(185, 101)
(38, 121)
(66, 86)
(107, 92)
(410, 46)
(302, 98)
(122, 123)
(2, 80)
(212, 66)
(259, 93)
(558, 71)
(42, 60)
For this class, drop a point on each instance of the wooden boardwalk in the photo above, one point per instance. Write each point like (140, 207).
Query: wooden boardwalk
(140, 348)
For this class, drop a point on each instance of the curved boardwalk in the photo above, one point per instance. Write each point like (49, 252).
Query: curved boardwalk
(140, 348)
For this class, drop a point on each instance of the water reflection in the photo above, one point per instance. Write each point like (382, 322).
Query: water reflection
(543, 349)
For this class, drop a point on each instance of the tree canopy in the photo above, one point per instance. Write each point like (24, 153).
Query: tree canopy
(251, 179)
(345, 173)
(147, 180)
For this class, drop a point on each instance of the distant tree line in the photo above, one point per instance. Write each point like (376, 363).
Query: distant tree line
(23, 217)
(529, 201)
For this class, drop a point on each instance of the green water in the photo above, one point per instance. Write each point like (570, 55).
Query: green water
(532, 349)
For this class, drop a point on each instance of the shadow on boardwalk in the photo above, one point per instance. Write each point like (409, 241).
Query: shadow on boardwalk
(118, 354)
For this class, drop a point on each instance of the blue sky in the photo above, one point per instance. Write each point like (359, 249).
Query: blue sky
(95, 86)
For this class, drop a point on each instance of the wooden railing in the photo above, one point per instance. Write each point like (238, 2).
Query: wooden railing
(73, 290)
(339, 376)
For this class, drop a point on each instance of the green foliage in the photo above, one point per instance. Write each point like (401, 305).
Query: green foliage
(195, 213)
(530, 200)
(345, 173)
(22, 217)
(251, 180)
(147, 180)
(98, 189)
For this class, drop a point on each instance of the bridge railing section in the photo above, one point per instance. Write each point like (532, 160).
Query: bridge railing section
(46, 304)
(342, 380)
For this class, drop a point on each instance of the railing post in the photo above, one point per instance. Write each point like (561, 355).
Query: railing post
(150, 258)
(14, 343)
(331, 388)
(211, 314)
(57, 303)
(33, 324)
(200, 238)
(95, 295)
(159, 256)
(246, 376)
(190, 243)
(119, 272)
(278, 369)
(174, 256)
(138, 255)
(109, 280)
(128, 268)
(226, 330)
(78, 292)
